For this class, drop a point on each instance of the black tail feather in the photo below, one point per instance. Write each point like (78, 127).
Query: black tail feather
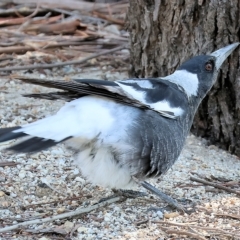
(33, 144)
(7, 134)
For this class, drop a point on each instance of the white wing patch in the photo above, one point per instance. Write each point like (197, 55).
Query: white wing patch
(162, 107)
(165, 106)
(132, 92)
(188, 81)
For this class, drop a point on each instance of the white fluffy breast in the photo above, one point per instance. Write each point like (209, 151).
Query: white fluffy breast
(102, 170)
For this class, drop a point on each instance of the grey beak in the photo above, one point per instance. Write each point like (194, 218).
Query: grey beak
(222, 54)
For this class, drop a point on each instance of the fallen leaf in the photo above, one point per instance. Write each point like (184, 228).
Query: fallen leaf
(171, 215)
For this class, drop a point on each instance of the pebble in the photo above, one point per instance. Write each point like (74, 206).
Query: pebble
(22, 174)
(68, 226)
(61, 210)
(82, 229)
(80, 180)
(160, 214)
(13, 194)
(171, 215)
(2, 193)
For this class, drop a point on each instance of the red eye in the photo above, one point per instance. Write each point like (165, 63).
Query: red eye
(209, 66)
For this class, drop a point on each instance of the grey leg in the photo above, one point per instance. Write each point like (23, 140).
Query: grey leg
(124, 193)
(171, 202)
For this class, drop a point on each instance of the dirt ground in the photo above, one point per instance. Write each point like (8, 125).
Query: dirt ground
(47, 183)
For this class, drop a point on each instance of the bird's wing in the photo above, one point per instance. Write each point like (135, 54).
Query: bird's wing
(155, 94)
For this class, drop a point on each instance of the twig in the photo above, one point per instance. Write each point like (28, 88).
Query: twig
(180, 232)
(10, 164)
(44, 66)
(52, 202)
(19, 12)
(214, 185)
(29, 18)
(108, 18)
(70, 4)
(62, 216)
(33, 13)
(231, 183)
(22, 49)
(141, 222)
(83, 18)
(196, 226)
(115, 4)
(234, 216)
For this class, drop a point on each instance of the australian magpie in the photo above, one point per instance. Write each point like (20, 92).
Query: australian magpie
(125, 131)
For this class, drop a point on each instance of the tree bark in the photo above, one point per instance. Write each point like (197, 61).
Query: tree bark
(163, 34)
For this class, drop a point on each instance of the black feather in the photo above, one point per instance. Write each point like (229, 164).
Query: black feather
(34, 144)
(7, 134)
(80, 88)
(66, 95)
(96, 82)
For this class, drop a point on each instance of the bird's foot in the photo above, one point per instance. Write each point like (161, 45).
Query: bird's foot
(187, 205)
(124, 193)
(129, 193)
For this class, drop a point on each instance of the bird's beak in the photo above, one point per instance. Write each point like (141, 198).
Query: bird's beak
(222, 54)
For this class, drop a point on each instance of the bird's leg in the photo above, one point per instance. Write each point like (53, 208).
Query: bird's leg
(173, 203)
(129, 193)
(124, 193)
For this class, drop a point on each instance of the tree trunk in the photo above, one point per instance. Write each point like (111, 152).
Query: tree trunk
(163, 34)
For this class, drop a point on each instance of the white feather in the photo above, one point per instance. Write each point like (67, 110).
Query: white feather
(85, 117)
(102, 170)
(165, 106)
(188, 81)
(132, 92)
(161, 106)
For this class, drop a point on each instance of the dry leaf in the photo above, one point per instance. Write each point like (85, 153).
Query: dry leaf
(171, 215)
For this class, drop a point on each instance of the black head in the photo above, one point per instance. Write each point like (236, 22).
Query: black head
(197, 75)
(204, 68)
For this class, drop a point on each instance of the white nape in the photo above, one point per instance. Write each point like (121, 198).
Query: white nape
(188, 81)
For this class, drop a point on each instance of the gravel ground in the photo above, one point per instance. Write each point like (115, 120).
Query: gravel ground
(46, 183)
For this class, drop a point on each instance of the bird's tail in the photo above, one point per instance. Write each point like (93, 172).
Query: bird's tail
(76, 119)
(7, 134)
(29, 143)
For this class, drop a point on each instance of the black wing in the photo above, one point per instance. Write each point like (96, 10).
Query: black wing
(141, 93)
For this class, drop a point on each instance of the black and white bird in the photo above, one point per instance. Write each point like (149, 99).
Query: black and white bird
(124, 130)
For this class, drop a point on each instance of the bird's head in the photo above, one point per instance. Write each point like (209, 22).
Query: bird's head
(197, 75)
